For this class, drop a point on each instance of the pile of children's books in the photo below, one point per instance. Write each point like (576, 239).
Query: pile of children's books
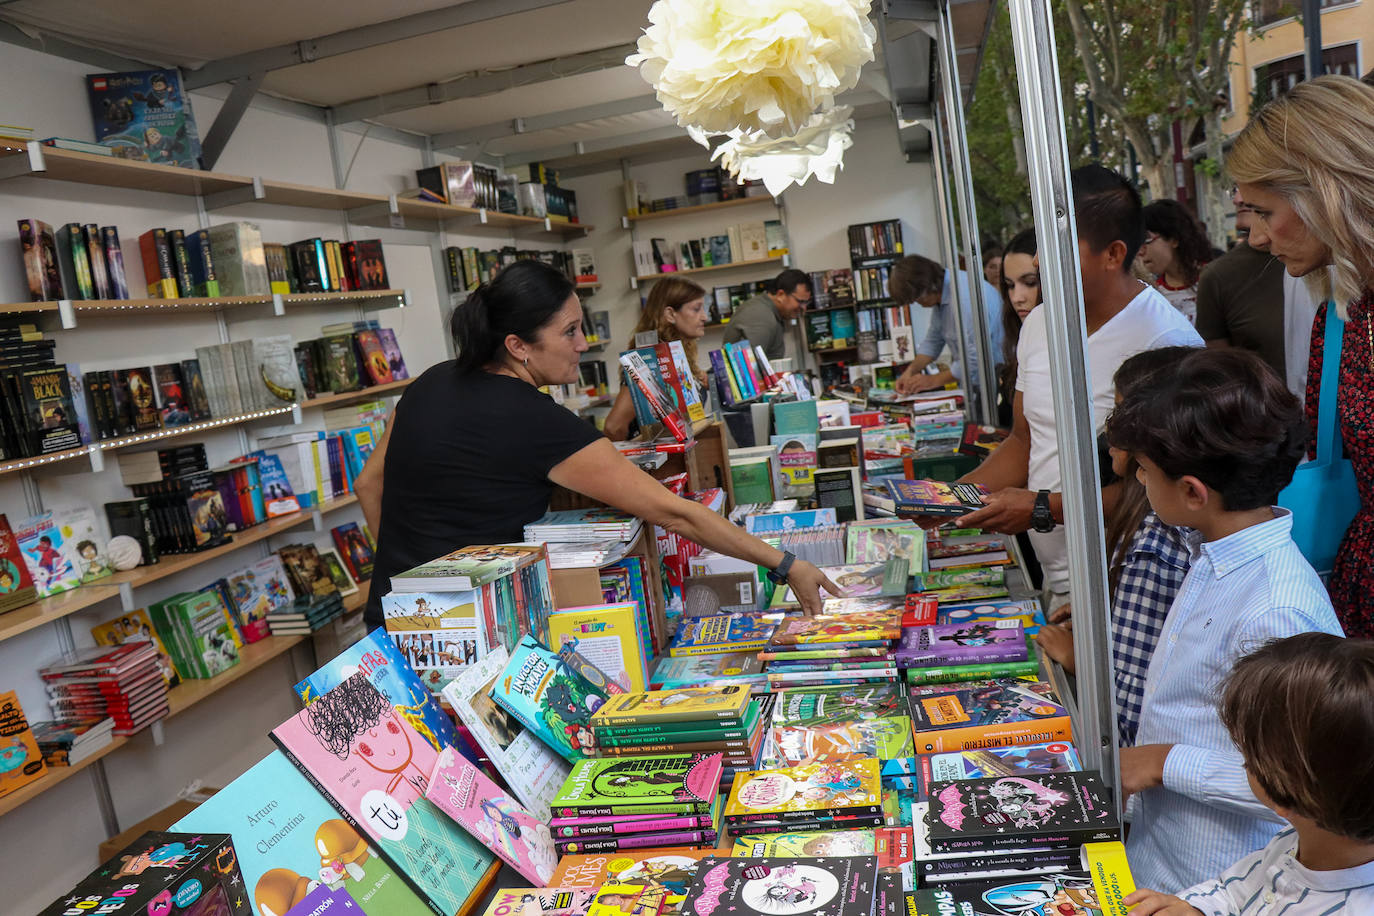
(850, 642)
(65, 744)
(121, 682)
(305, 615)
(818, 796)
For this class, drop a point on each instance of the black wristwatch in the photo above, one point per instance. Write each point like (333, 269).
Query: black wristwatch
(778, 575)
(1042, 519)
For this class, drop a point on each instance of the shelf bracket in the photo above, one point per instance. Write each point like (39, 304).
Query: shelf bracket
(156, 731)
(278, 305)
(15, 166)
(296, 414)
(482, 216)
(634, 284)
(624, 222)
(97, 459)
(548, 224)
(126, 597)
(246, 194)
(66, 313)
(405, 297)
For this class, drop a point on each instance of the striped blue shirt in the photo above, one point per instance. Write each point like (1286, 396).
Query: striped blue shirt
(1242, 591)
(1272, 882)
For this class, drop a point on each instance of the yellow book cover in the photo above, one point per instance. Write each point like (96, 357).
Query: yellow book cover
(1111, 874)
(682, 704)
(20, 761)
(806, 844)
(855, 626)
(634, 900)
(850, 787)
(607, 635)
(135, 626)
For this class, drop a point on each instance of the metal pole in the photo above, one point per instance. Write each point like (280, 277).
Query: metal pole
(1051, 199)
(963, 190)
(1312, 38)
(948, 252)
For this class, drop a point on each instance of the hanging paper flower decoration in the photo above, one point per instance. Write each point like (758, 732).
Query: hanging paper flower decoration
(817, 149)
(762, 66)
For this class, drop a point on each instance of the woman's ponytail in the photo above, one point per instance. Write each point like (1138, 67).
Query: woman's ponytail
(519, 300)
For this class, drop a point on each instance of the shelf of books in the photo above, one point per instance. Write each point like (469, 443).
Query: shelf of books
(54, 776)
(251, 657)
(344, 398)
(470, 218)
(46, 610)
(733, 265)
(699, 208)
(123, 307)
(31, 158)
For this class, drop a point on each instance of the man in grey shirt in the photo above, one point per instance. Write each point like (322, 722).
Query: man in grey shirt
(762, 320)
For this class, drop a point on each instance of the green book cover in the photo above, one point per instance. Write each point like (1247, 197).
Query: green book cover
(795, 418)
(171, 635)
(950, 674)
(209, 633)
(642, 734)
(679, 705)
(752, 480)
(690, 780)
(957, 578)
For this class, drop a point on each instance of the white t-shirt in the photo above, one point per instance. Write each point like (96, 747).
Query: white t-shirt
(1148, 321)
(1299, 311)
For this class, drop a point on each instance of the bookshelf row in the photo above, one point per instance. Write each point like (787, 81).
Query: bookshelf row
(141, 307)
(20, 158)
(700, 208)
(733, 265)
(47, 610)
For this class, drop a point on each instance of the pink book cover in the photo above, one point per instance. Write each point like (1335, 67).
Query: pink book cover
(484, 810)
(374, 768)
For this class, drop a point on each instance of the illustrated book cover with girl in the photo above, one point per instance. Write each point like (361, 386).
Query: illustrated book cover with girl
(770, 886)
(686, 783)
(1054, 809)
(822, 789)
(670, 867)
(373, 767)
(550, 697)
(681, 704)
(540, 901)
(855, 627)
(992, 642)
(486, 811)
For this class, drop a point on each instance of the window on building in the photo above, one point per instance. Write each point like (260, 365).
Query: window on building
(1268, 12)
(1277, 77)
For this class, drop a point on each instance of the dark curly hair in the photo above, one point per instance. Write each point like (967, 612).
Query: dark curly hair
(1171, 220)
(1222, 416)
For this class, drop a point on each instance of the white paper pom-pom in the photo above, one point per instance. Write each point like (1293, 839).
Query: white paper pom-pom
(125, 552)
(754, 65)
(817, 149)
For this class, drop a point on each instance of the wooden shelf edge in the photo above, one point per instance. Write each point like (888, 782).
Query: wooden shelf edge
(251, 657)
(354, 397)
(210, 303)
(701, 270)
(700, 208)
(46, 610)
(55, 776)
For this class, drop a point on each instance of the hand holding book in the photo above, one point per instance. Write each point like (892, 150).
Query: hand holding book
(806, 582)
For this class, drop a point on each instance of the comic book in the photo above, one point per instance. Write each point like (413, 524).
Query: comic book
(963, 644)
(858, 626)
(281, 863)
(550, 698)
(1023, 760)
(815, 790)
(483, 809)
(722, 633)
(540, 901)
(374, 768)
(531, 768)
(1002, 713)
(607, 635)
(1014, 812)
(21, 762)
(838, 886)
(41, 543)
(679, 705)
(682, 783)
(144, 114)
(811, 843)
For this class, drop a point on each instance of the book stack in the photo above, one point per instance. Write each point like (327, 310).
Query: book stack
(573, 534)
(65, 744)
(968, 550)
(821, 796)
(721, 633)
(1002, 712)
(850, 643)
(628, 803)
(316, 465)
(726, 721)
(305, 615)
(199, 631)
(838, 723)
(121, 682)
(740, 668)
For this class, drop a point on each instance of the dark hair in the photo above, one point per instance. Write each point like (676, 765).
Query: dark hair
(1222, 416)
(519, 300)
(990, 252)
(1133, 375)
(789, 280)
(1107, 209)
(1022, 242)
(913, 277)
(1301, 711)
(1171, 220)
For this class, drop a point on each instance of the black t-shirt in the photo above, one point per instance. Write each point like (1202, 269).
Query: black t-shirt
(467, 463)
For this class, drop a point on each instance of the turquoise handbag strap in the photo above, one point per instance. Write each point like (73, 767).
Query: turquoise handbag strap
(1327, 434)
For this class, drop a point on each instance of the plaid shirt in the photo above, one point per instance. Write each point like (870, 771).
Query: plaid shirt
(1151, 575)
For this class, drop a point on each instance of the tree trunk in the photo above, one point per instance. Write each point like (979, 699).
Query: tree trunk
(1220, 184)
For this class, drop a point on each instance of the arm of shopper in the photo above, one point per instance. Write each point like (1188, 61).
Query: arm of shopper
(368, 485)
(913, 382)
(602, 473)
(617, 425)
(1209, 775)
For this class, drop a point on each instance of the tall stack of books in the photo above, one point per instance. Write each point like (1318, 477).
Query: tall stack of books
(820, 796)
(122, 682)
(625, 803)
(850, 643)
(575, 536)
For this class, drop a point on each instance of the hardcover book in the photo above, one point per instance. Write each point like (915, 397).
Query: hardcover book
(767, 886)
(374, 768)
(550, 698)
(16, 584)
(173, 405)
(134, 626)
(1003, 713)
(683, 704)
(794, 793)
(50, 410)
(38, 245)
(142, 399)
(50, 566)
(962, 644)
(1055, 809)
(392, 349)
(823, 629)
(688, 781)
(353, 548)
(373, 358)
(484, 810)
(934, 497)
(144, 114)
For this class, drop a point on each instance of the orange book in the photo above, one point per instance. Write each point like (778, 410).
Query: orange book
(20, 761)
(1000, 713)
(157, 264)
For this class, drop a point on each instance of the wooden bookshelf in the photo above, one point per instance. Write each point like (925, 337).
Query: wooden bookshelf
(699, 208)
(473, 218)
(733, 265)
(356, 397)
(286, 194)
(122, 308)
(33, 159)
(251, 657)
(46, 610)
(53, 777)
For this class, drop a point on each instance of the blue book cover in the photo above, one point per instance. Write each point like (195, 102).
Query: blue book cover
(290, 843)
(391, 674)
(144, 114)
(278, 496)
(778, 522)
(723, 633)
(550, 698)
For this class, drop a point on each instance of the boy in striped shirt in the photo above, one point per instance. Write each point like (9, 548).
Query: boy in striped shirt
(1301, 710)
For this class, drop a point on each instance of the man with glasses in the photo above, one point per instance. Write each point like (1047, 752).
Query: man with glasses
(921, 281)
(763, 319)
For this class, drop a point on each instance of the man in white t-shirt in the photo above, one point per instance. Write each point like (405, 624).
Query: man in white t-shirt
(1124, 317)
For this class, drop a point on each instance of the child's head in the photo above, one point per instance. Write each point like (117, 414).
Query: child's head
(1134, 373)
(1219, 432)
(1301, 711)
(1111, 228)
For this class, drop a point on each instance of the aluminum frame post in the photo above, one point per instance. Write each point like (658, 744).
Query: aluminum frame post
(1052, 203)
(947, 244)
(962, 176)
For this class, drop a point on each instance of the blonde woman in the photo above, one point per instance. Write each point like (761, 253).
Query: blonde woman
(676, 310)
(1304, 165)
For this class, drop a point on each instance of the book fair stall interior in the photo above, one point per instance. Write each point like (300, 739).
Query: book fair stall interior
(808, 543)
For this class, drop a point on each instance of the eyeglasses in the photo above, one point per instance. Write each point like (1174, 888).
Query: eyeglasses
(799, 300)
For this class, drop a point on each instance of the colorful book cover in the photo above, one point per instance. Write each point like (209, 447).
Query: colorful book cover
(1064, 892)
(144, 114)
(934, 497)
(1023, 760)
(1004, 713)
(376, 655)
(1059, 809)
(374, 768)
(821, 843)
(822, 789)
(393, 353)
(670, 868)
(540, 901)
(550, 698)
(722, 633)
(965, 594)
(710, 670)
(135, 626)
(690, 780)
(353, 547)
(607, 636)
(1111, 875)
(953, 578)
(633, 900)
(962, 644)
(680, 705)
(876, 541)
(885, 738)
(14, 570)
(855, 581)
(20, 760)
(83, 543)
(838, 886)
(257, 591)
(41, 542)
(484, 810)
(291, 842)
(463, 569)
(823, 629)
(172, 402)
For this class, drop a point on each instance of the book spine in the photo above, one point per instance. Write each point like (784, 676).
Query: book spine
(1018, 840)
(181, 262)
(982, 737)
(812, 814)
(669, 716)
(660, 733)
(962, 656)
(955, 673)
(873, 820)
(157, 264)
(95, 253)
(633, 841)
(732, 748)
(676, 809)
(114, 262)
(81, 261)
(752, 645)
(653, 825)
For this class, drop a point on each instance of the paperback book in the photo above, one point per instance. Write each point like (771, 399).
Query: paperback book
(857, 627)
(1009, 812)
(934, 497)
(550, 698)
(723, 633)
(1023, 760)
(540, 901)
(1062, 892)
(681, 783)
(670, 868)
(963, 644)
(1003, 713)
(797, 793)
(767, 886)
(680, 705)
(710, 670)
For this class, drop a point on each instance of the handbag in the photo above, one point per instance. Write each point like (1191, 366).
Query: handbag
(1323, 497)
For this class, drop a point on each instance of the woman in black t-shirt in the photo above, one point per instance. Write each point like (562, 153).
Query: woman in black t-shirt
(475, 449)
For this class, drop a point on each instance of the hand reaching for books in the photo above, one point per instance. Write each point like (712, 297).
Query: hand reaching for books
(913, 382)
(1146, 902)
(806, 581)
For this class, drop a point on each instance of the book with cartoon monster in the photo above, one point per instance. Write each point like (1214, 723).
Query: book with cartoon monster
(550, 698)
(771, 886)
(674, 783)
